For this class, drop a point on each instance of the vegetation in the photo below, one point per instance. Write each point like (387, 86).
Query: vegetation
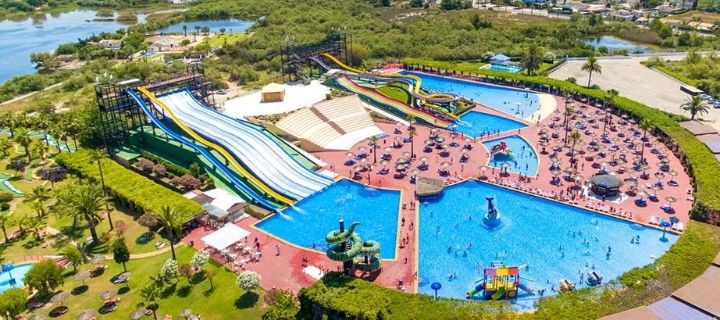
(44, 276)
(696, 70)
(695, 106)
(130, 188)
(590, 66)
(12, 302)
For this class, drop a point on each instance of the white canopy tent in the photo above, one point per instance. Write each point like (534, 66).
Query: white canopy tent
(225, 236)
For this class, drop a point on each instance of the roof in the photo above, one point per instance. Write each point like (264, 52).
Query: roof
(606, 181)
(273, 87)
(697, 128)
(225, 236)
(500, 57)
(702, 292)
(428, 186)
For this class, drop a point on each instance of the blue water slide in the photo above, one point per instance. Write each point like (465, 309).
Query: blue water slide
(249, 192)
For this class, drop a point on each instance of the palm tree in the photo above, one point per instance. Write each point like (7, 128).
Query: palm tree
(695, 105)
(42, 123)
(21, 221)
(97, 156)
(5, 222)
(611, 94)
(22, 137)
(37, 199)
(645, 125)
(412, 133)
(58, 131)
(35, 224)
(590, 66)
(5, 145)
(150, 293)
(569, 110)
(39, 148)
(169, 217)
(83, 201)
(9, 121)
(532, 58)
(374, 140)
(574, 138)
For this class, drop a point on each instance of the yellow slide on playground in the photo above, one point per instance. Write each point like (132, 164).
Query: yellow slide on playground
(234, 163)
(416, 87)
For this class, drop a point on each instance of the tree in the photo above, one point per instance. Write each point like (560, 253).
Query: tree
(611, 94)
(411, 134)
(8, 120)
(73, 255)
(696, 106)
(13, 302)
(169, 269)
(283, 305)
(82, 201)
(532, 58)
(222, 30)
(5, 222)
(374, 140)
(97, 155)
(35, 224)
(121, 253)
(44, 276)
(569, 110)
(22, 137)
(590, 66)
(150, 294)
(574, 138)
(170, 221)
(5, 145)
(644, 125)
(186, 270)
(248, 280)
(40, 149)
(199, 259)
(37, 199)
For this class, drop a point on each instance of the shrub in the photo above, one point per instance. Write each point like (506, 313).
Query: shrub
(188, 182)
(283, 305)
(571, 80)
(128, 186)
(148, 220)
(44, 276)
(248, 280)
(4, 206)
(17, 164)
(5, 196)
(53, 174)
(13, 302)
(169, 269)
(145, 164)
(159, 169)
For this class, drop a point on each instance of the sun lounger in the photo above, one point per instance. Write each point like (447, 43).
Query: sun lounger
(653, 220)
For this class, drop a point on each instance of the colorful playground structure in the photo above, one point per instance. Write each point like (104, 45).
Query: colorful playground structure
(347, 247)
(500, 282)
(501, 149)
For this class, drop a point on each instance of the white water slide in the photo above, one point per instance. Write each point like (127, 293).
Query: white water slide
(255, 149)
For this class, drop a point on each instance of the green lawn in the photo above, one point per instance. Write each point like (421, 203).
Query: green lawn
(397, 91)
(226, 301)
(228, 38)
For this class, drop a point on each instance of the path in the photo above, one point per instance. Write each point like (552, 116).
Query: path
(30, 94)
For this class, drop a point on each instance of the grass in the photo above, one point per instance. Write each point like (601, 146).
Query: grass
(225, 301)
(397, 91)
(708, 17)
(227, 38)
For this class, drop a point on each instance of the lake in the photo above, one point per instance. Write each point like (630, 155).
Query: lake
(615, 44)
(19, 39)
(231, 25)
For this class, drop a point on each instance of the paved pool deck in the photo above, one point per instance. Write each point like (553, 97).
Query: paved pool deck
(285, 271)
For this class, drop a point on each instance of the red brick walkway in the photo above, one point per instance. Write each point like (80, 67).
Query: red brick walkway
(285, 270)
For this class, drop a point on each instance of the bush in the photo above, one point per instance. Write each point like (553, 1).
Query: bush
(44, 276)
(4, 206)
(571, 80)
(188, 182)
(5, 196)
(283, 305)
(145, 165)
(159, 169)
(130, 187)
(55, 173)
(13, 302)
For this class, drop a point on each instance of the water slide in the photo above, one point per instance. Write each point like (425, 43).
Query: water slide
(414, 82)
(498, 294)
(379, 97)
(249, 192)
(320, 62)
(254, 148)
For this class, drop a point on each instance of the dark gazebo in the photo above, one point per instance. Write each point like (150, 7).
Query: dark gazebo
(606, 185)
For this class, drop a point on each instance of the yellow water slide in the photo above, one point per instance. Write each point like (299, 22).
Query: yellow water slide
(233, 162)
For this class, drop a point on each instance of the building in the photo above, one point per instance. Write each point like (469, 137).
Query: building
(161, 45)
(272, 93)
(110, 44)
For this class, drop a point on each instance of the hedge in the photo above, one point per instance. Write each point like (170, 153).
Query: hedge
(338, 296)
(129, 185)
(705, 167)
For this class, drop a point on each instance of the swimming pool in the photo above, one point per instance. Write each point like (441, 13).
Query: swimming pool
(504, 68)
(475, 124)
(546, 236)
(18, 273)
(523, 159)
(519, 103)
(307, 223)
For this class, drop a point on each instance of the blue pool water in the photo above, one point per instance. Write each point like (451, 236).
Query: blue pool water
(522, 160)
(475, 124)
(614, 44)
(515, 102)
(18, 274)
(504, 68)
(535, 232)
(312, 218)
(231, 26)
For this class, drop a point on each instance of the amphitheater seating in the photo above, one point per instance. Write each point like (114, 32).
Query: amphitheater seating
(338, 123)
